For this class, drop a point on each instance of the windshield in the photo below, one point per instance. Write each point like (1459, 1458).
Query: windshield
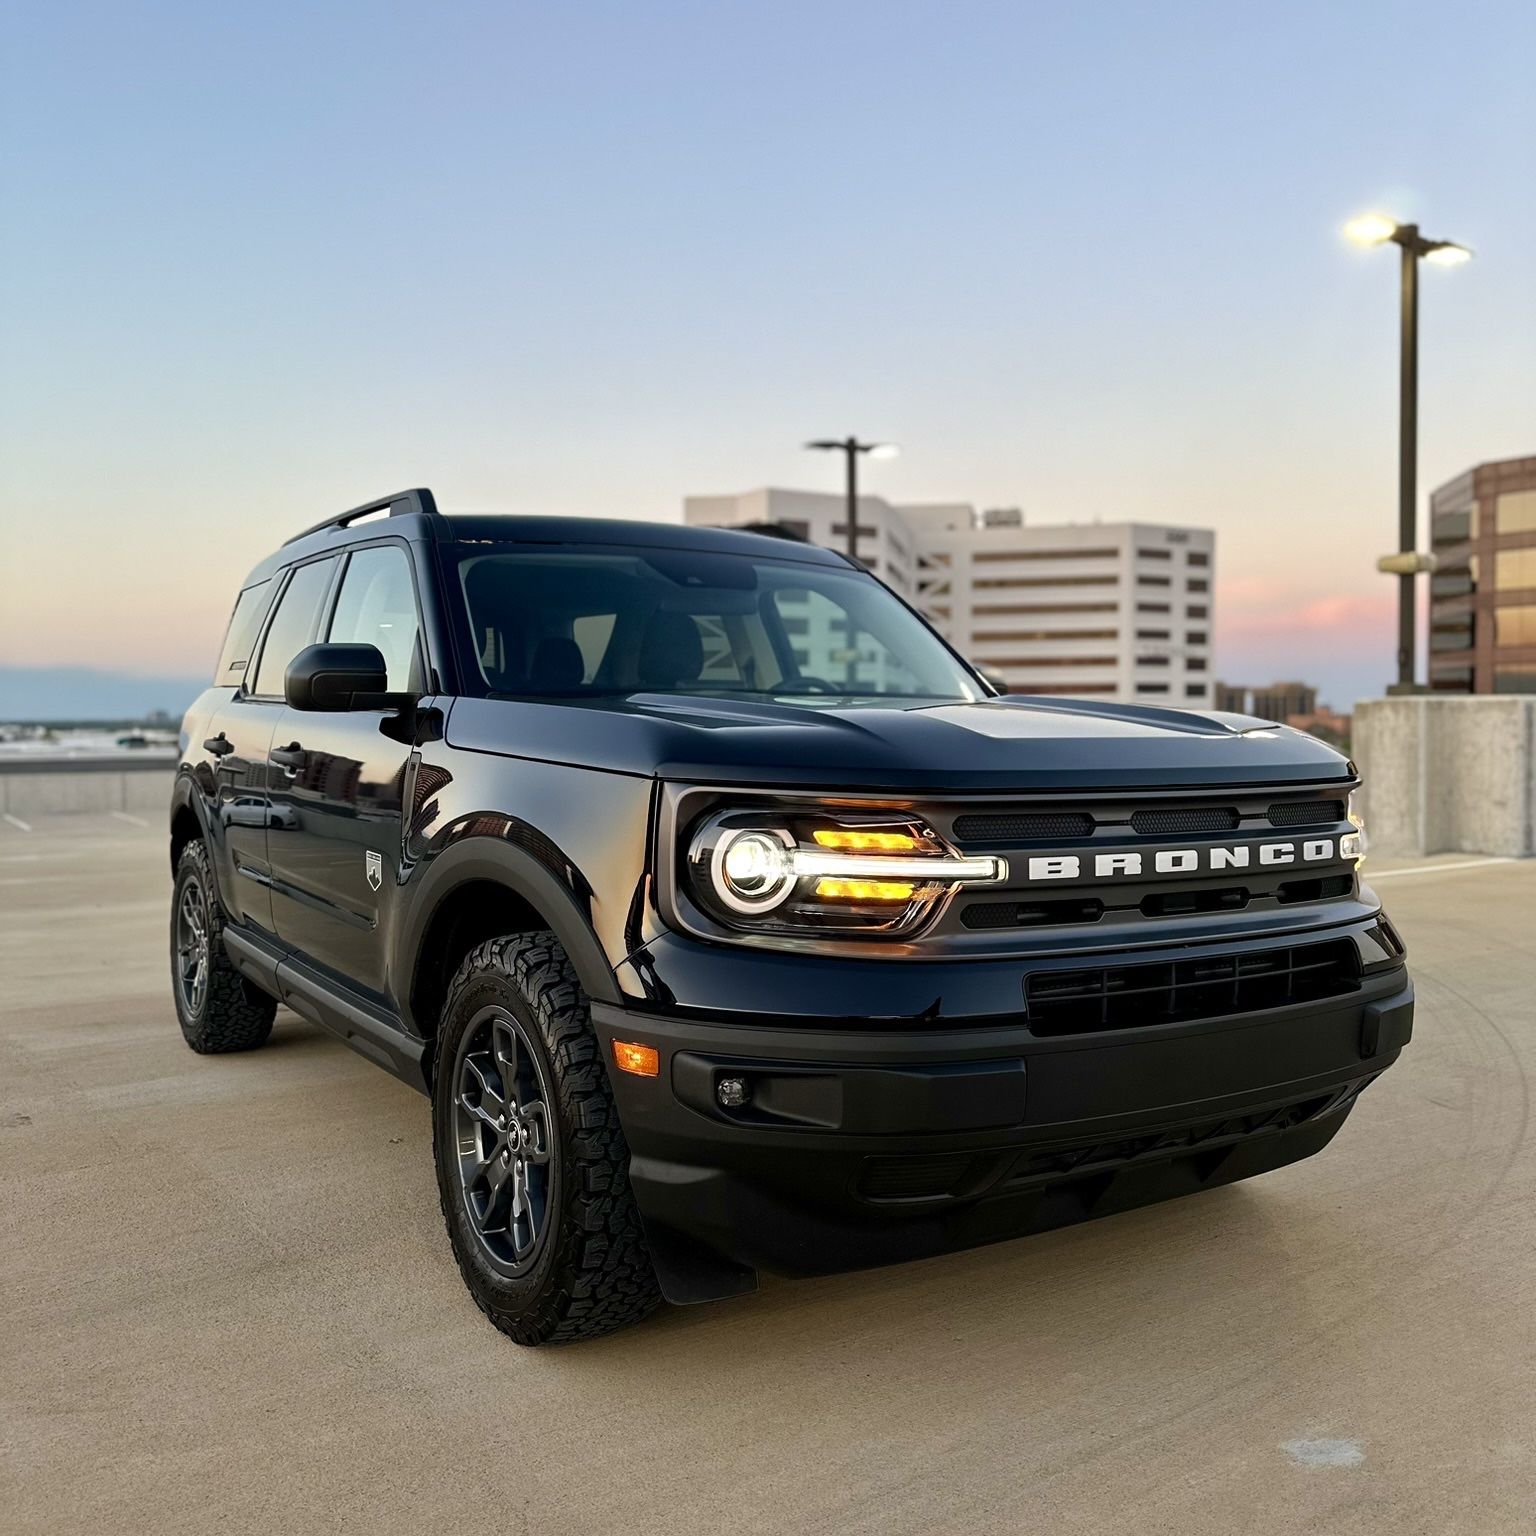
(583, 622)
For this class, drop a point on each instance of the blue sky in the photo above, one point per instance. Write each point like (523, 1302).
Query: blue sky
(265, 262)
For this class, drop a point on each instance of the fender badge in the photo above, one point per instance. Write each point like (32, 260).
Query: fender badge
(374, 864)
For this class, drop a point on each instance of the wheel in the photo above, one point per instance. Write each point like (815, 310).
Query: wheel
(219, 1009)
(532, 1166)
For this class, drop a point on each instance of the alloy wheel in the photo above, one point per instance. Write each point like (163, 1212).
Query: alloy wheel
(502, 1136)
(192, 948)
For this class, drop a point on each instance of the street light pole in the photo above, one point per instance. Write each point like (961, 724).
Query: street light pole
(851, 451)
(1408, 453)
(851, 447)
(1374, 229)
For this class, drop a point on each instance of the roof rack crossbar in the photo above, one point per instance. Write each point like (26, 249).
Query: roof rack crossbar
(401, 504)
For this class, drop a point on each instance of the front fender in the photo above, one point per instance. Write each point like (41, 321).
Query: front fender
(563, 901)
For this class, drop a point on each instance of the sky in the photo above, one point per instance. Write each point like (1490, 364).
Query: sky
(261, 263)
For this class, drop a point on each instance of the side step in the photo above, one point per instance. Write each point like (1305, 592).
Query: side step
(369, 1032)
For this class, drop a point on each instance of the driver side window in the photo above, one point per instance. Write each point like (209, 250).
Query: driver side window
(377, 606)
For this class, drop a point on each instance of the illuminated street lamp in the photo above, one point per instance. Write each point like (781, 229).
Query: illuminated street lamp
(1377, 229)
(852, 447)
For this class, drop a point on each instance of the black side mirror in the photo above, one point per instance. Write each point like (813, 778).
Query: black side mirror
(994, 680)
(336, 677)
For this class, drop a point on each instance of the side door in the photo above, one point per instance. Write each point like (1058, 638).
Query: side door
(235, 751)
(246, 773)
(335, 830)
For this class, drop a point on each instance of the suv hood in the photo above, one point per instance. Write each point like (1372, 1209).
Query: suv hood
(1011, 743)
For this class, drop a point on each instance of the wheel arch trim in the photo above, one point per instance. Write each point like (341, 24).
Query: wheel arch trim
(186, 796)
(486, 858)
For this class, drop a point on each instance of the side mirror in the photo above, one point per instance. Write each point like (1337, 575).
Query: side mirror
(994, 680)
(336, 677)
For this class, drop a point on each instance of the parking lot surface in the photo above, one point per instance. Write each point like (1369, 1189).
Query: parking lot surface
(228, 1304)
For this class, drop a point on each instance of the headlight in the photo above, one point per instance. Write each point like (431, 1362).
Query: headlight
(1353, 844)
(803, 870)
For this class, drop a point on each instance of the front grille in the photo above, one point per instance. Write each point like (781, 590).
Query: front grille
(1192, 818)
(1030, 914)
(1022, 827)
(1182, 903)
(1306, 813)
(1132, 996)
(1326, 889)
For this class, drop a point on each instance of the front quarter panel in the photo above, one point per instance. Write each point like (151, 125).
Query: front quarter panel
(196, 784)
(571, 841)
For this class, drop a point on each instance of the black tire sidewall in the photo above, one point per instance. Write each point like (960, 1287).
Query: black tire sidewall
(236, 1015)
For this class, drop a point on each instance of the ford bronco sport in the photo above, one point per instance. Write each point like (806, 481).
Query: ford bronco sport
(732, 923)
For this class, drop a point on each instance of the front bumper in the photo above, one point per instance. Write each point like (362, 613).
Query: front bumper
(871, 1145)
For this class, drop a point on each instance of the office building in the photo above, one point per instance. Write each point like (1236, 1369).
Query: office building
(1482, 604)
(1118, 611)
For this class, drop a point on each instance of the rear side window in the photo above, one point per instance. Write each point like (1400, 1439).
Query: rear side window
(240, 639)
(292, 626)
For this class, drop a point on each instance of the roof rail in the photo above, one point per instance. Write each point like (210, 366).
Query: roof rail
(401, 504)
(767, 530)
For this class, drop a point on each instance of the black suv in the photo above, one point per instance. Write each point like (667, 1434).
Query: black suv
(730, 920)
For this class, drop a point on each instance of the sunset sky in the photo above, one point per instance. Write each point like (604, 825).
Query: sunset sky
(264, 262)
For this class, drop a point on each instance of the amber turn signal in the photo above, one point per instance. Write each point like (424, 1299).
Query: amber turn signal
(641, 1060)
(864, 890)
(864, 842)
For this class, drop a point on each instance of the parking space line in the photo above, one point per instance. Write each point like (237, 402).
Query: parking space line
(1436, 869)
(133, 821)
(17, 822)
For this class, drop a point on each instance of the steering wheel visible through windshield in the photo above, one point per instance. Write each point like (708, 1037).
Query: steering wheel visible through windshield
(576, 621)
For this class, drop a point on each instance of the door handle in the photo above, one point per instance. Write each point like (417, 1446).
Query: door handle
(219, 746)
(290, 757)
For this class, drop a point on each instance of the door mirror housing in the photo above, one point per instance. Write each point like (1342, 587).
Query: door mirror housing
(993, 679)
(338, 677)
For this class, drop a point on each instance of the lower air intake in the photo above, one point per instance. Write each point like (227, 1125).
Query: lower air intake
(1133, 996)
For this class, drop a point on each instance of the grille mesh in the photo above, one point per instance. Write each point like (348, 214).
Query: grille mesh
(1186, 818)
(1022, 826)
(1306, 813)
(1128, 996)
(912, 1178)
(1028, 914)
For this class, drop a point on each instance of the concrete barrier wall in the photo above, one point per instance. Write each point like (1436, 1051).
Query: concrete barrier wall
(1447, 774)
(140, 789)
(1441, 774)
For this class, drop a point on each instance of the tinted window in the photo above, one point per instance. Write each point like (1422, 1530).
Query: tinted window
(292, 626)
(574, 622)
(829, 643)
(244, 626)
(377, 606)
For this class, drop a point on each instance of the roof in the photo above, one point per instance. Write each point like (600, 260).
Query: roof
(413, 515)
(517, 528)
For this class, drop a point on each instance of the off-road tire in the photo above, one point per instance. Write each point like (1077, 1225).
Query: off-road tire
(229, 1013)
(592, 1273)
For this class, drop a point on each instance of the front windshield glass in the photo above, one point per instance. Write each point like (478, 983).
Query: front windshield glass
(580, 622)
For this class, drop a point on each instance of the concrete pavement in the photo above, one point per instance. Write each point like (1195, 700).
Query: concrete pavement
(229, 1304)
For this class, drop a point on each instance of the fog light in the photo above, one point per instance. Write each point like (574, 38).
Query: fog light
(732, 1092)
(1352, 846)
(640, 1060)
